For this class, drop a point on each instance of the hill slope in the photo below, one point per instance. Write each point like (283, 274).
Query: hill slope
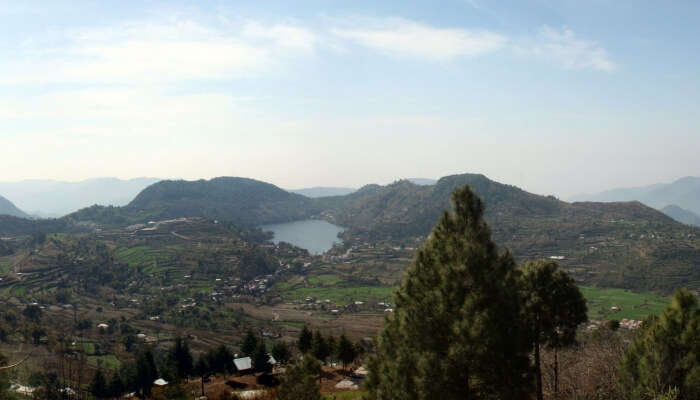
(623, 244)
(7, 208)
(611, 244)
(246, 202)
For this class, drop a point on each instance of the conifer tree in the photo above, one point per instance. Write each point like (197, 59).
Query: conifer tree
(98, 385)
(455, 331)
(552, 309)
(250, 342)
(666, 356)
(180, 359)
(305, 339)
(319, 347)
(346, 351)
(202, 368)
(299, 383)
(280, 352)
(147, 372)
(260, 359)
(115, 388)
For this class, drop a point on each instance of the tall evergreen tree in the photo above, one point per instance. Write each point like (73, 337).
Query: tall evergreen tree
(180, 359)
(202, 369)
(280, 352)
(319, 347)
(250, 342)
(667, 353)
(346, 351)
(305, 339)
(146, 372)
(115, 388)
(332, 344)
(552, 308)
(224, 360)
(98, 385)
(455, 331)
(261, 360)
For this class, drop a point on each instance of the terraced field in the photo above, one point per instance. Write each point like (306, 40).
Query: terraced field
(150, 260)
(632, 305)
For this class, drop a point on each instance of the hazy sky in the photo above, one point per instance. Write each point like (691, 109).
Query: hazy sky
(558, 97)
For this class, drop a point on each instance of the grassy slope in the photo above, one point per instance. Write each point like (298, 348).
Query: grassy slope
(632, 305)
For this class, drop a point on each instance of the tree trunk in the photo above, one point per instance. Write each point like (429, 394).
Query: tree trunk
(556, 374)
(202, 381)
(538, 371)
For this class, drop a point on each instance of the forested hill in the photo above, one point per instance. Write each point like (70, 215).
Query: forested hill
(625, 244)
(246, 202)
(7, 208)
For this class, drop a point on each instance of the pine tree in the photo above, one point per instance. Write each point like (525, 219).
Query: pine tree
(305, 339)
(98, 385)
(346, 351)
(261, 360)
(224, 360)
(115, 388)
(280, 352)
(552, 309)
(455, 331)
(202, 369)
(332, 344)
(298, 383)
(667, 353)
(319, 347)
(250, 342)
(180, 359)
(146, 372)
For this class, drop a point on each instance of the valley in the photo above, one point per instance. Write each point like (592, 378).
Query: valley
(177, 262)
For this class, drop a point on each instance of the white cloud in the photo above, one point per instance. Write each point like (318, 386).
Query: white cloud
(569, 51)
(283, 35)
(167, 51)
(403, 37)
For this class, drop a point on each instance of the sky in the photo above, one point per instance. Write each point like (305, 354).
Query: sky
(555, 96)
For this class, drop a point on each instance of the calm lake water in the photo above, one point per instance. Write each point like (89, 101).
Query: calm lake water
(315, 235)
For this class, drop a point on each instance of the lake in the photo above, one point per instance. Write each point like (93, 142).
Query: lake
(315, 235)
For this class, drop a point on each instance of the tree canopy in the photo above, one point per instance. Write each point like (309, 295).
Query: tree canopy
(455, 332)
(666, 355)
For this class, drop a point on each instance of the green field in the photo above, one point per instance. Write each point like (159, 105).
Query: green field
(4, 267)
(632, 305)
(108, 361)
(150, 260)
(341, 295)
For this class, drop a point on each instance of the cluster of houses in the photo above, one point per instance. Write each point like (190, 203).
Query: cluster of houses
(335, 309)
(630, 324)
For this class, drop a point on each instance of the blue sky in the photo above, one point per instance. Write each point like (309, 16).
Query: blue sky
(558, 97)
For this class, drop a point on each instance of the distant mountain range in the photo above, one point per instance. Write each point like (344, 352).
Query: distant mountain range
(681, 215)
(323, 191)
(49, 198)
(7, 208)
(618, 244)
(683, 193)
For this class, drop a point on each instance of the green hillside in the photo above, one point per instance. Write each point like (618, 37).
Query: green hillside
(624, 244)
